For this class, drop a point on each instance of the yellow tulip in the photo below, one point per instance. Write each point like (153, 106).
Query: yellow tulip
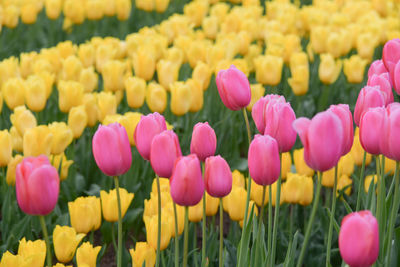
(86, 254)
(144, 62)
(220, 10)
(212, 204)
(109, 205)
(196, 212)
(9, 68)
(151, 224)
(329, 69)
(145, 5)
(5, 148)
(202, 73)
(237, 203)
(390, 165)
(29, 13)
(129, 121)
(210, 26)
(113, 74)
(161, 5)
(344, 181)
(238, 179)
(135, 91)
(89, 79)
(56, 160)
(196, 53)
(346, 165)
(123, 9)
(48, 79)
(367, 181)
(291, 45)
(61, 265)
(109, 8)
(74, 11)
(94, 9)
(36, 250)
(11, 14)
(299, 81)
(11, 168)
(23, 119)
(197, 98)
(37, 141)
(167, 72)
(256, 194)
(26, 63)
(252, 205)
(366, 43)
(301, 166)
(298, 59)
(164, 186)
(328, 177)
(143, 253)
(156, 97)
(196, 11)
(334, 44)
(65, 242)
(354, 69)
(35, 93)
(268, 69)
(257, 91)
(92, 109)
(357, 151)
(70, 94)
(77, 120)
(16, 139)
(107, 104)
(87, 54)
(286, 164)
(298, 189)
(181, 97)
(13, 92)
(85, 214)
(1, 101)
(53, 8)
(10, 260)
(318, 37)
(180, 213)
(71, 69)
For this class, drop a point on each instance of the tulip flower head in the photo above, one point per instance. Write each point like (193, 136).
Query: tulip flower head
(37, 185)
(65, 241)
(390, 144)
(391, 55)
(35, 251)
(345, 116)
(204, 141)
(383, 81)
(217, 176)
(372, 124)
(369, 97)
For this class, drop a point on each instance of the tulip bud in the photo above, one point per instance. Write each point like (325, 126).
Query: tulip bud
(286, 164)
(89, 79)
(107, 104)
(391, 55)
(135, 91)
(92, 110)
(148, 127)
(62, 137)
(186, 182)
(70, 94)
(389, 145)
(23, 119)
(164, 150)
(74, 11)
(11, 14)
(359, 239)
(143, 253)
(299, 82)
(346, 118)
(77, 120)
(109, 203)
(33, 250)
(53, 8)
(318, 37)
(217, 176)
(87, 54)
(237, 203)
(372, 124)
(383, 82)
(354, 69)
(37, 186)
(268, 69)
(85, 214)
(368, 97)
(13, 91)
(144, 62)
(156, 97)
(37, 141)
(151, 224)
(86, 255)
(258, 112)
(202, 73)
(113, 73)
(5, 148)
(180, 98)
(329, 70)
(65, 242)
(111, 149)
(167, 72)
(71, 68)
(95, 9)
(377, 67)
(257, 92)
(29, 12)
(204, 141)
(320, 137)
(196, 95)
(62, 164)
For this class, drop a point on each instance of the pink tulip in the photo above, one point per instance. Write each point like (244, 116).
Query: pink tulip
(391, 55)
(204, 141)
(369, 97)
(37, 185)
(263, 159)
(359, 239)
(320, 137)
(217, 177)
(396, 78)
(273, 116)
(382, 80)
(111, 149)
(233, 88)
(344, 114)
(165, 149)
(148, 127)
(390, 145)
(377, 67)
(187, 185)
(372, 129)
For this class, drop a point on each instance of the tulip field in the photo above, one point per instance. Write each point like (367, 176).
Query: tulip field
(199, 133)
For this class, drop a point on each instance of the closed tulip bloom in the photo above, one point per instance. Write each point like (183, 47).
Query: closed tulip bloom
(11, 14)
(259, 110)
(167, 72)
(320, 137)
(109, 205)
(329, 69)
(346, 165)
(298, 189)
(92, 109)
(396, 78)
(257, 191)
(13, 91)
(143, 253)
(144, 62)
(377, 67)
(217, 176)
(359, 239)
(74, 11)
(202, 73)
(286, 164)
(33, 250)
(94, 9)
(148, 127)
(111, 149)
(299, 82)
(135, 91)
(233, 88)
(345, 116)
(62, 137)
(16, 139)
(37, 186)
(180, 98)
(237, 203)
(11, 260)
(86, 255)
(35, 93)
(372, 124)
(29, 12)
(53, 8)
(196, 95)
(354, 68)
(5, 148)
(164, 150)
(204, 141)
(23, 119)
(113, 74)
(187, 186)
(382, 80)
(87, 54)
(107, 104)
(390, 143)
(65, 241)
(77, 120)
(85, 214)
(156, 97)
(264, 162)
(151, 224)
(62, 164)
(196, 212)
(37, 141)
(369, 97)
(11, 169)
(70, 94)
(89, 79)
(391, 55)
(130, 120)
(268, 69)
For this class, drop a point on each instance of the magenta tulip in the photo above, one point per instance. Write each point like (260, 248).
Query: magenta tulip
(258, 112)
(204, 141)
(396, 78)
(217, 177)
(369, 97)
(37, 185)
(391, 55)
(320, 137)
(263, 159)
(111, 149)
(372, 124)
(377, 67)
(344, 114)
(148, 127)
(390, 144)
(187, 185)
(359, 239)
(233, 88)
(382, 81)
(165, 149)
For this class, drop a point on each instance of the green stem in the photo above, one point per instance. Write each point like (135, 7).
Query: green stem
(360, 182)
(276, 218)
(47, 240)
(91, 239)
(203, 241)
(381, 204)
(119, 255)
(113, 238)
(393, 213)
(259, 236)
(328, 248)
(159, 222)
(176, 237)
(185, 238)
(269, 221)
(221, 234)
(310, 222)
